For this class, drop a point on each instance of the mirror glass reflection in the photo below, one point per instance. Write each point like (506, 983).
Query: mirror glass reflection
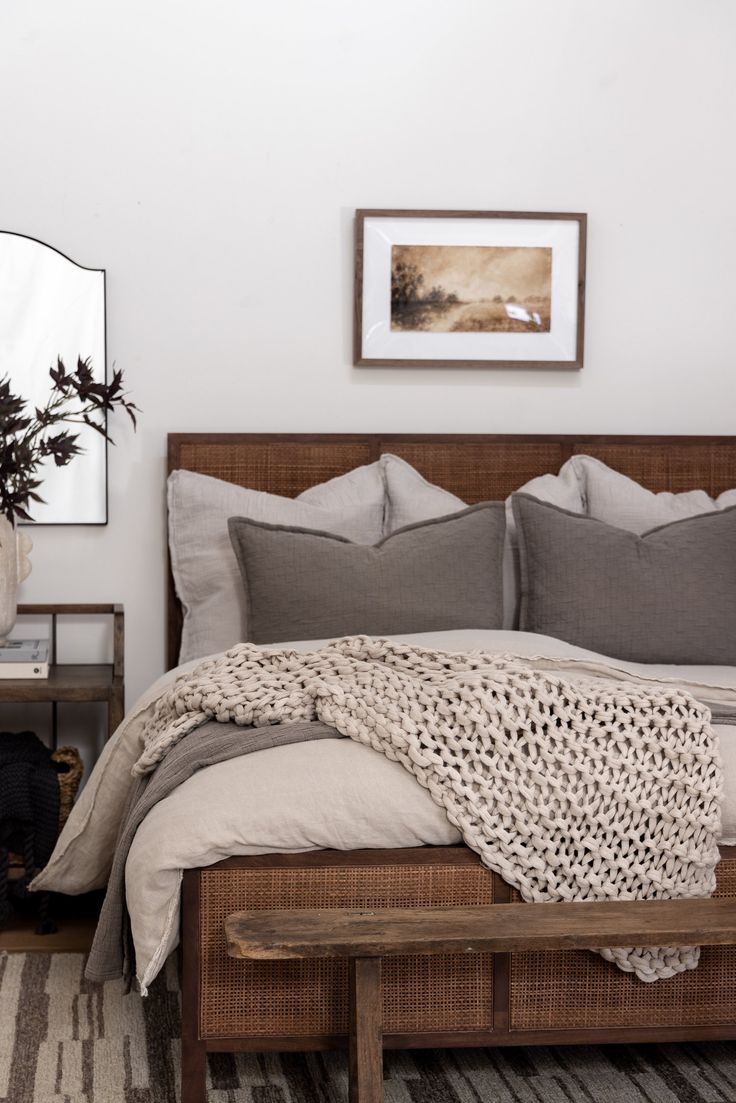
(50, 307)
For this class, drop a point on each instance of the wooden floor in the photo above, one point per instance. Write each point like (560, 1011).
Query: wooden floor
(75, 917)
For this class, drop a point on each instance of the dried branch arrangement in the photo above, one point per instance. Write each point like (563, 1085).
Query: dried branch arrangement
(26, 440)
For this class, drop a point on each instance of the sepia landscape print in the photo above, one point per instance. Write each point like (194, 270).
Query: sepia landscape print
(470, 288)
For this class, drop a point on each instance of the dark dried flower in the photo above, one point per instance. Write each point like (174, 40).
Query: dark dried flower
(25, 442)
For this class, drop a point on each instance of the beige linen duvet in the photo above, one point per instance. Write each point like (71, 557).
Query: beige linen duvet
(329, 794)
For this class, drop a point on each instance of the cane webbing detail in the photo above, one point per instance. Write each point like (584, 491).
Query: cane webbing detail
(479, 472)
(279, 467)
(272, 999)
(475, 470)
(575, 989)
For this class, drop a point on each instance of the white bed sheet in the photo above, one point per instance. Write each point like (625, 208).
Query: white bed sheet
(329, 794)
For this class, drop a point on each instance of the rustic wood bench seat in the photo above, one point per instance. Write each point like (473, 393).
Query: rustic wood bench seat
(365, 937)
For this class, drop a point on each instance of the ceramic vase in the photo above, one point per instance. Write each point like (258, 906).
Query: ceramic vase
(14, 567)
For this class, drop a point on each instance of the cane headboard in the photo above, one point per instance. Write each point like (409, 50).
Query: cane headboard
(476, 468)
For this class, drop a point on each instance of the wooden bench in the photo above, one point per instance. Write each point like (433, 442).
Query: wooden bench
(365, 937)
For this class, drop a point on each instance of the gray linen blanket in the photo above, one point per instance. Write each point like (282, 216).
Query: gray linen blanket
(111, 956)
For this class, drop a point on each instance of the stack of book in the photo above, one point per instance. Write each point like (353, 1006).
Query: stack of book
(24, 659)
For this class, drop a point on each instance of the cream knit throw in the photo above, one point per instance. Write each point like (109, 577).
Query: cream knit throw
(583, 791)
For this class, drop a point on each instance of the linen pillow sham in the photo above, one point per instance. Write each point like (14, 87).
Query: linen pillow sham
(667, 596)
(204, 567)
(615, 498)
(439, 574)
(411, 498)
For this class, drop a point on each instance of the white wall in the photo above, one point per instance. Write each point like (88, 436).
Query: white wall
(210, 156)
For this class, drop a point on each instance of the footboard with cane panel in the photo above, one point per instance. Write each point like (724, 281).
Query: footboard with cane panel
(537, 997)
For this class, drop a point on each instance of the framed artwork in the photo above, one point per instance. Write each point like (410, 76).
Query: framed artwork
(469, 288)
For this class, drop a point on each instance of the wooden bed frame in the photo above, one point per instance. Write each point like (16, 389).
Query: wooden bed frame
(457, 1000)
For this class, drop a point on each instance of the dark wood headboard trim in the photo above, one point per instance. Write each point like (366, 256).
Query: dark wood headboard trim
(376, 443)
(379, 440)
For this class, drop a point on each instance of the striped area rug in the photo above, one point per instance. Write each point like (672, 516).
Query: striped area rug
(65, 1041)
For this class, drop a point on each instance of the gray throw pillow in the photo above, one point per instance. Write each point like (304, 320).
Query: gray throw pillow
(667, 596)
(411, 498)
(302, 584)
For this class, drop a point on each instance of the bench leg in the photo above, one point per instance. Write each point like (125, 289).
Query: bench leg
(366, 1031)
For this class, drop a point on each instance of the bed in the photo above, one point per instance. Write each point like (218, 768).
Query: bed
(522, 999)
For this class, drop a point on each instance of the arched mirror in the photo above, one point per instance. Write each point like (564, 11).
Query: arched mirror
(51, 307)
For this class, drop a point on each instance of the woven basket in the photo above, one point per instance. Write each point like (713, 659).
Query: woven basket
(68, 780)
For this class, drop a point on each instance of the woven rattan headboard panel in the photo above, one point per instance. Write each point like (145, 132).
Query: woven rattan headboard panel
(476, 468)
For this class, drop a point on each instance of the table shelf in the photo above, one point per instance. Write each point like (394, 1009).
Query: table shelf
(66, 682)
(74, 682)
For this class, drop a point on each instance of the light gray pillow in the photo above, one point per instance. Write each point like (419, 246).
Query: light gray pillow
(668, 596)
(205, 571)
(411, 498)
(439, 574)
(621, 501)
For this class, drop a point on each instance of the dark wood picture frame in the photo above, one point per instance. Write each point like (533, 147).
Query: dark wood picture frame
(361, 360)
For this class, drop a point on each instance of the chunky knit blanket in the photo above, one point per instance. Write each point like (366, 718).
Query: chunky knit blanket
(584, 789)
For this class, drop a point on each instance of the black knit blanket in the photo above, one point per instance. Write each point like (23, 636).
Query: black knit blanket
(29, 805)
